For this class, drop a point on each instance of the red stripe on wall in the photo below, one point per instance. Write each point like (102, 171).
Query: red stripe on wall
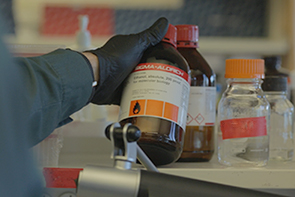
(62, 20)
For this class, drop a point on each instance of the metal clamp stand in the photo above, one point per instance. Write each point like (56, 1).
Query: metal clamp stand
(120, 180)
(125, 148)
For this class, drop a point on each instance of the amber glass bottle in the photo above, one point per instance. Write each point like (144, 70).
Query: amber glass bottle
(155, 99)
(199, 136)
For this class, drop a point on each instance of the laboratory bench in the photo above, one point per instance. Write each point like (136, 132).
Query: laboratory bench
(84, 144)
(276, 177)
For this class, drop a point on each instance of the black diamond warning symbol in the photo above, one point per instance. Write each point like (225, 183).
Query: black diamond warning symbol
(199, 118)
(189, 119)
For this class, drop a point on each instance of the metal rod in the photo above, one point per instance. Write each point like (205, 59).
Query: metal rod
(145, 161)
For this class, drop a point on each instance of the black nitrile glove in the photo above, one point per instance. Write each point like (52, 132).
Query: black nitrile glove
(119, 56)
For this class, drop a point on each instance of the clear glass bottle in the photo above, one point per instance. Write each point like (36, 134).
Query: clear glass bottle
(243, 116)
(199, 135)
(155, 99)
(281, 118)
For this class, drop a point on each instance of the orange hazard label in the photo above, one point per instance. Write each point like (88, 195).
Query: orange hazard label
(156, 90)
(151, 107)
(137, 107)
(171, 112)
(154, 108)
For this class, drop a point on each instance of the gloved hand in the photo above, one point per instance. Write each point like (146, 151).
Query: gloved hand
(119, 56)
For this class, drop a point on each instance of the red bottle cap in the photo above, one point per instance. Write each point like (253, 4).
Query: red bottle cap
(187, 36)
(171, 35)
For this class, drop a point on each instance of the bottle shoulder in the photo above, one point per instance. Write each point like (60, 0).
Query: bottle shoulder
(243, 96)
(244, 88)
(196, 61)
(280, 103)
(276, 72)
(201, 72)
(166, 54)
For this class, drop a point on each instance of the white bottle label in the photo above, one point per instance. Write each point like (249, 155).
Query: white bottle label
(202, 106)
(156, 90)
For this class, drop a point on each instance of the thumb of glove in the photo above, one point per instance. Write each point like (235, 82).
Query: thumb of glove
(119, 56)
(155, 33)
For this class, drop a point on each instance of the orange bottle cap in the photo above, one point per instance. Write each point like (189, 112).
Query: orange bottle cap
(244, 68)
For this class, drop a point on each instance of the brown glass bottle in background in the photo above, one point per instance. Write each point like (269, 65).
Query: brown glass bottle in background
(273, 67)
(147, 100)
(199, 135)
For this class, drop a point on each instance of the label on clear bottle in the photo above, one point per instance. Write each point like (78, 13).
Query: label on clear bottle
(202, 106)
(243, 127)
(156, 90)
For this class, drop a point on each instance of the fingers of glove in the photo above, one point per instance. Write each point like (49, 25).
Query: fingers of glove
(154, 34)
(137, 43)
(119, 56)
(114, 68)
(121, 46)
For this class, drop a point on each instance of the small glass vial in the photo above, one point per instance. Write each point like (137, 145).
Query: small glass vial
(243, 116)
(281, 118)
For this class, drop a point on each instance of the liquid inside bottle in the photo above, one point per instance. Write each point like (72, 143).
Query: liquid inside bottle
(161, 72)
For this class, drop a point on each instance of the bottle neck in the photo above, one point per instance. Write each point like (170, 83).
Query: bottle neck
(168, 43)
(237, 86)
(187, 44)
(186, 48)
(243, 87)
(245, 82)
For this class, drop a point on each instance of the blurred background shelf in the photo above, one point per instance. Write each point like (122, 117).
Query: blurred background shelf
(227, 28)
(208, 45)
